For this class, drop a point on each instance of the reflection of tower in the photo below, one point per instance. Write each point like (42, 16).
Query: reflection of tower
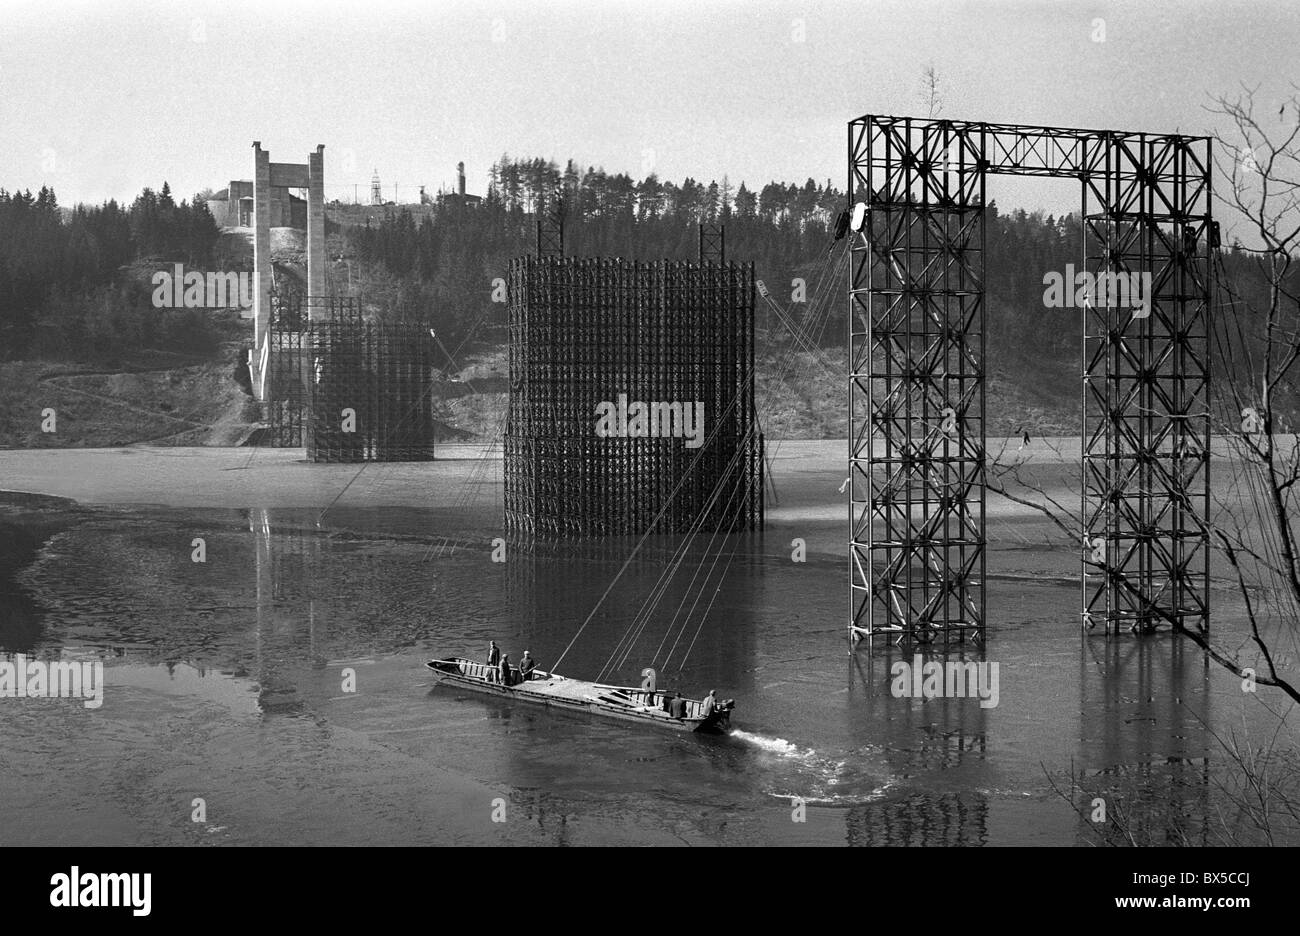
(1144, 742)
(944, 736)
(376, 196)
(286, 559)
(703, 616)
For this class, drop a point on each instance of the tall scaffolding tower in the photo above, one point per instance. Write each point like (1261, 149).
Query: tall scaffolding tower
(672, 341)
(917, 445)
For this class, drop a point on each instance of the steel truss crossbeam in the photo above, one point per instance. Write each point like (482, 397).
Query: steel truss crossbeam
(917, 443)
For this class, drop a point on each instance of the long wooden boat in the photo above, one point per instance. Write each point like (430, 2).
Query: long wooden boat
(552, 689)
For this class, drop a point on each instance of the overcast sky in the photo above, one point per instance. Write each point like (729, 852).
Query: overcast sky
(101, 99)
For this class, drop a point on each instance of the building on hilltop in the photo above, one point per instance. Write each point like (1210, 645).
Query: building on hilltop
(233, 208)
(459, 197)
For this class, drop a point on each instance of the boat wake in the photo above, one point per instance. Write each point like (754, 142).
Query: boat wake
(793, 773)
(771, 745)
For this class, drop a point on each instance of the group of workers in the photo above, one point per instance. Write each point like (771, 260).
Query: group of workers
(675, 705)
(500, 671)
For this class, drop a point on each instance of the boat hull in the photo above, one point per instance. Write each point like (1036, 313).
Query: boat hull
(559, 692)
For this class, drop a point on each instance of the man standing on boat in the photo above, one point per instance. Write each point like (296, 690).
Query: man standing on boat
(493, 660)
(710, 704)
(505, 669)
(526, 666)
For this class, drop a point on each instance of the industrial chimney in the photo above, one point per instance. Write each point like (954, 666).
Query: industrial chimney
(460, 178)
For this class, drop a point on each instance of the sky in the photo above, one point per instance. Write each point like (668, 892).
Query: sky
(101, 99)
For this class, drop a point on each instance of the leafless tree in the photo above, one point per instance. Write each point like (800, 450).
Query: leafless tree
(931, 93)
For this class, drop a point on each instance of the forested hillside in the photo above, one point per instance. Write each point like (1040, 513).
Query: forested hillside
(74, 283)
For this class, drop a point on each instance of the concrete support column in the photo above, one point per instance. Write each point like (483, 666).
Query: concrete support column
(261, 267)
(316, 228)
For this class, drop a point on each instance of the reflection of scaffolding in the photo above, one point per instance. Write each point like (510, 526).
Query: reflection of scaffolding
(1149, 757)
(670, 341)
(922, 819)
(916, 410)
(287, 557)
(551, 584)
(347, 388)
(934, 817)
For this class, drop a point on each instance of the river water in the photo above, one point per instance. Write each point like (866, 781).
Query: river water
(275, 693)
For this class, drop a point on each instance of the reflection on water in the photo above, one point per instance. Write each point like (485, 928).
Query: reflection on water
(1148, 739)
(227, 677)
(662, 603)
(944, 737)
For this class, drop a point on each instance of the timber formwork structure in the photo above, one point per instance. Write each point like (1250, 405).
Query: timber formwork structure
(917, 445)
(350, 389)
(665, 351)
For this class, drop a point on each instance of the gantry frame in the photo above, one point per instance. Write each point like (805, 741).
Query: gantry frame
(917, 435)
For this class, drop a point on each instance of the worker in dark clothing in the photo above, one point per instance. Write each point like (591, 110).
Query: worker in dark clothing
(677, 707)
(526, 667)
(493, 660)
(710, 704)
(505, 670)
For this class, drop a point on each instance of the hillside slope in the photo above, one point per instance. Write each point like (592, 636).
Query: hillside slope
(163, 399)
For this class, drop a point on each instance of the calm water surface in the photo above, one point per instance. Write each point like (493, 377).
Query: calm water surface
(225, 684)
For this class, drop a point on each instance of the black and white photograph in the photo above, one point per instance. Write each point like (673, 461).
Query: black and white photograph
(595, 423)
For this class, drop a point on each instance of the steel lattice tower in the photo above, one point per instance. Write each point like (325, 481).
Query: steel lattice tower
(713, 242)
(550, 225)
(917, 444)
